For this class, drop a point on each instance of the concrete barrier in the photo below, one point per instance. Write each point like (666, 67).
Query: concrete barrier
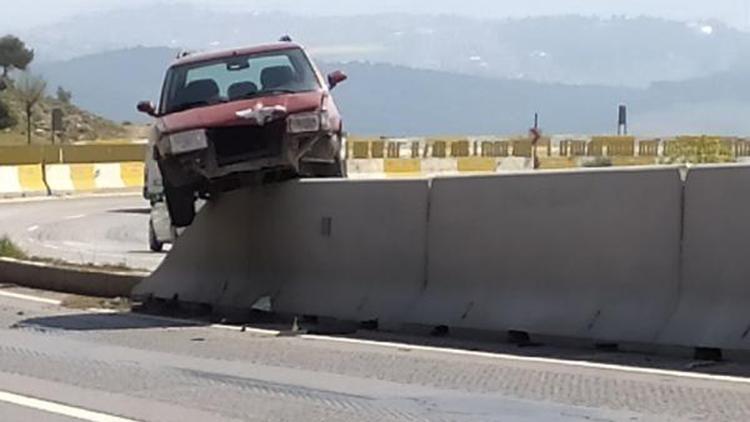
(22, 180)
(346, 249)
(132, 174)
(411, 167)
(584, 254)
(713, 304)
(74, 178)
(601, 254)
(68, 280)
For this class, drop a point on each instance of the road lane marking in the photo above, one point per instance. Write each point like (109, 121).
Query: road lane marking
(33, 228)
(74, 217)
(443, 350)
(53, 246)
(473, 353)
(533, 359)
(30, 298)
(59, 409)
(74, 197)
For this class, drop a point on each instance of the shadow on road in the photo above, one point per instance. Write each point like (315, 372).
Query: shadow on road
(131, 211)
(103, 321)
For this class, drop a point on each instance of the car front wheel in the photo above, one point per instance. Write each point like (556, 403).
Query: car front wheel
(181, 205)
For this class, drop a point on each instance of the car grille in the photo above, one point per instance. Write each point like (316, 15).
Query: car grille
(240, 143)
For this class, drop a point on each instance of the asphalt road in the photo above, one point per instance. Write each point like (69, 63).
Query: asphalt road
(137, 367)
(62, 364)
(109, 230)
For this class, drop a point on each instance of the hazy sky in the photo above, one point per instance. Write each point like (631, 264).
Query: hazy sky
(15, 14)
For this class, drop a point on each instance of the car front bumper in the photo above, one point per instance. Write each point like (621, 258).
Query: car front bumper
(247, 151)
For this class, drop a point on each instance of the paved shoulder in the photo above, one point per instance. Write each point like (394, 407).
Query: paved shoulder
(127, 365)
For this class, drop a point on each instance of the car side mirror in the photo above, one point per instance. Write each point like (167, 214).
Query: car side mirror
(147, 107)
(335, 78)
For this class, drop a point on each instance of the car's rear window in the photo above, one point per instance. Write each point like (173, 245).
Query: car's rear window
(237, 77)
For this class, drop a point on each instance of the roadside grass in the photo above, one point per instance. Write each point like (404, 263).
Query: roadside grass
(84, 266)
(8, 249)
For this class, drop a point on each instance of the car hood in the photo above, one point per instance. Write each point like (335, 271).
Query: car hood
(225, 114)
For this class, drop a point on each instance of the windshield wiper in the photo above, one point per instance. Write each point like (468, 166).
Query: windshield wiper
(268, 92)
(195, 104)
(188, 105)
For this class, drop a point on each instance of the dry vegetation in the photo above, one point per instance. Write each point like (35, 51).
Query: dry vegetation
(79, 125)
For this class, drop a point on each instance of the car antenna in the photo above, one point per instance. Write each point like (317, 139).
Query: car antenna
(285, 38)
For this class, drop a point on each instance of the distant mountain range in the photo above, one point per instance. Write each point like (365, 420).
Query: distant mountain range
(564, 49)
(383, 99)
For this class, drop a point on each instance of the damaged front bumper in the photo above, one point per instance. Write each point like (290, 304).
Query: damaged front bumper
(244, 152)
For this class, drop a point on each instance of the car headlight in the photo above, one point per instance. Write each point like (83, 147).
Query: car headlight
(303, 122)
(192, 140)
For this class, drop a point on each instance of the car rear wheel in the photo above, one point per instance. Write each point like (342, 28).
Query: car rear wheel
(181, 205)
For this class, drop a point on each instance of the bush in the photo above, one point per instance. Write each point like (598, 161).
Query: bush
(698, 150)
(63, 95)
(8, 249)
(598, 162)
(6, 118)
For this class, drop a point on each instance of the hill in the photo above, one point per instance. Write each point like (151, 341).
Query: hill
(382, 99)
(111, 83)
(79, 124)
(557, 49)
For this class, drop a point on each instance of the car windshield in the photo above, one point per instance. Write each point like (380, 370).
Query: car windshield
(237, 77)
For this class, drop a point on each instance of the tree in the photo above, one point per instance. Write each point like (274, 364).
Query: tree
(63, 95)
(6, 118)
(14, 54)
(30, 90)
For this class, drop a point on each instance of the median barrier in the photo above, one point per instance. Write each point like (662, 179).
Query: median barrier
(583, 254)
(60, 178)
(132, 174)
(345, 249)
(97, 177)
(21, 181)
(713, 306)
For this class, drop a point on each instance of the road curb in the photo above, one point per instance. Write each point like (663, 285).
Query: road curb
(87, 282)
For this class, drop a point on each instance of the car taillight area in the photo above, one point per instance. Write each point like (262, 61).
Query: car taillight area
(239, 143)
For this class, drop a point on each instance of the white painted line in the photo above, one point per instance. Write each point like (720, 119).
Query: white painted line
(532, 359)
(472, 353)
(52, 246)
(30, 298)
(32, 228)
(74, 217)
(59, 409)
(443, 350)
(72, 197)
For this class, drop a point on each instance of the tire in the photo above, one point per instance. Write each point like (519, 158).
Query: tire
(153, 242)
(181, 205)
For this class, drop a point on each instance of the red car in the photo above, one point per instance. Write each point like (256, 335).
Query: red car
(239, 117)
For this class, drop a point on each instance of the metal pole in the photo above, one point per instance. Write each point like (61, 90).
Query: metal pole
(535, 135)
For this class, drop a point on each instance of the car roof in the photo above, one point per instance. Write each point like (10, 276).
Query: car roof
(220, 54)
